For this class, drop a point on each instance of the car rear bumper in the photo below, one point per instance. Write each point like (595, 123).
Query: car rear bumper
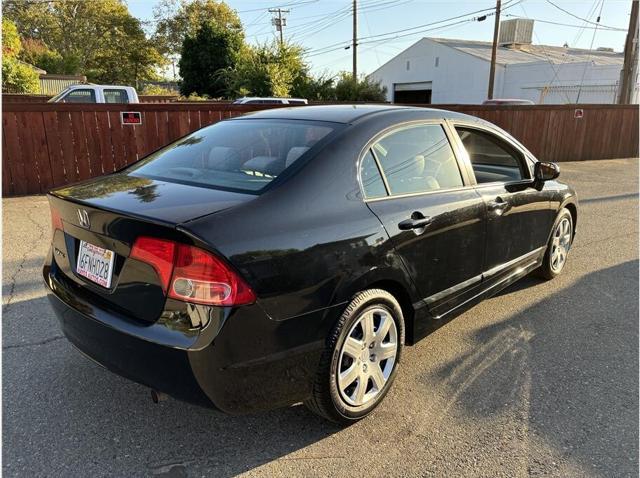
(244, 363)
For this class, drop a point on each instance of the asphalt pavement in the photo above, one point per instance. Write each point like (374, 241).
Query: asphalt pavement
(539, 380)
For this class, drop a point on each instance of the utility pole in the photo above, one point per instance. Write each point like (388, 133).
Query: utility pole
(630, 66)
(279, 22)
(354, 46)
(494, 51)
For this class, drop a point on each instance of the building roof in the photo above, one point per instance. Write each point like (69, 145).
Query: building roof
(532, 53)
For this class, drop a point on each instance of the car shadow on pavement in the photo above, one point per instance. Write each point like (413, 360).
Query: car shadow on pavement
(566, 367)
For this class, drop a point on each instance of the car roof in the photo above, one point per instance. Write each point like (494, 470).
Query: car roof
(344, 113)
(267, 98)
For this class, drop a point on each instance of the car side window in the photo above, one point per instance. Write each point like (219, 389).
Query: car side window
(372, 182)
(418, 159)
(492, 159)
(116, 96)
(80, 96)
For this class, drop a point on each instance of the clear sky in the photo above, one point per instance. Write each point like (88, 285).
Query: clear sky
(324, 27)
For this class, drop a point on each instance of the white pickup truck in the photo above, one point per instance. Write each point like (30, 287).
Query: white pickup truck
(96, 94)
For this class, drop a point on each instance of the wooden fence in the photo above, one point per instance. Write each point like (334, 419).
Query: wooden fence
(566, 132)
(49, 145)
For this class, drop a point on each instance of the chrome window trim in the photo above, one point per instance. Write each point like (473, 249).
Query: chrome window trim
(423, 193)
(442, 122)
(525, 156)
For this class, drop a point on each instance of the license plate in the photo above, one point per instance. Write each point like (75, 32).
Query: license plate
(95, 263)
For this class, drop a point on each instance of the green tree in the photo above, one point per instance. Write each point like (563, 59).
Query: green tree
(206, 56)
(36, 53)
(179, 19)
(17, 77)
(350, 89)
(97, 38)
(270, 69)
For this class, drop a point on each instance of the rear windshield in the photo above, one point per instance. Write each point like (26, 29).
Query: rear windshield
(237, 155)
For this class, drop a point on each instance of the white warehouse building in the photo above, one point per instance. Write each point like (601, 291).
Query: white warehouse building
(438, 70)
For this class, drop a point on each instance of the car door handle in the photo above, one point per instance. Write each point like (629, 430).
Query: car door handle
(499, 205)
(416, 223)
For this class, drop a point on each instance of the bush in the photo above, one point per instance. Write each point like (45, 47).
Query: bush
(349, 89)
(269, 69)
(157, 90)
(314, 88)
(19, 77)
(194, 97)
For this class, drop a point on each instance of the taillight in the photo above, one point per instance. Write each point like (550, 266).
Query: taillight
(159, 254)
(191, 274)
(56, 220)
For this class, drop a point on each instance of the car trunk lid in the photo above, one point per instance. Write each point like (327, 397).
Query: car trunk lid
(111, 213)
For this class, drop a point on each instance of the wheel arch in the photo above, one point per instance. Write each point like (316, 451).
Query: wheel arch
(394, 282)
(573, 209)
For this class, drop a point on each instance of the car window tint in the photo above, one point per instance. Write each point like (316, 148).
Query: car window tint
(491, 158)
(115, 96)
(80, 96)
(371, 179)
(243, 155)
(418, 159)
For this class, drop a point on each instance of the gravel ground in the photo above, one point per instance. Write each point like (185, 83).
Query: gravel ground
(540, 380)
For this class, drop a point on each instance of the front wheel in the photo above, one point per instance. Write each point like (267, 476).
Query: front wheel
(558, 247)
(360, 359)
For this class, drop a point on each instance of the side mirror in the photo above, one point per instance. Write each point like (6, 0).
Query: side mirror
(546, 171)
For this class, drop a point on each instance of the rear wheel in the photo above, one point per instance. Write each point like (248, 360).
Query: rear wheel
(360, 359)
(558, 247)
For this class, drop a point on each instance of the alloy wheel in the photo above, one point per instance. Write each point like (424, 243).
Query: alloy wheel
(367, 357)
(560, 244)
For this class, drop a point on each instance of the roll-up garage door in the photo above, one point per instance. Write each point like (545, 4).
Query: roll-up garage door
(419, 93)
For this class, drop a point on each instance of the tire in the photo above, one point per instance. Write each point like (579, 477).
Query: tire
(561, 237)
(337, 398)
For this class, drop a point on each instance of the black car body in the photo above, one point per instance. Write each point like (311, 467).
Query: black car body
(322, 229)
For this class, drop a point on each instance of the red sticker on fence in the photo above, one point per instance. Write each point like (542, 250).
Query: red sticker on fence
(579, 113)
(131, 117)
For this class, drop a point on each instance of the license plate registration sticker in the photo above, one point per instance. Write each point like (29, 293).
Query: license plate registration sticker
(95, 263)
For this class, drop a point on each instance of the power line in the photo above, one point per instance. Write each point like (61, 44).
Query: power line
(586, 64)
(592, 12)
(392, 38)
(342, 44)
(567, 24)
(580, 18)
(311, 28)
(290, 4)
(551, 64)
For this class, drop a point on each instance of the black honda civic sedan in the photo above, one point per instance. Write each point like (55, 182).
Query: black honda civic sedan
(288, 255)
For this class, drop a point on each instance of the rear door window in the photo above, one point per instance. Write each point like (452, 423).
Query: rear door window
(116, 96)
(417, 159)
(238, 155)
(372, 182)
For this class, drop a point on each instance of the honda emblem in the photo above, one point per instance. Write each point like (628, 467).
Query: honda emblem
(83, 218)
